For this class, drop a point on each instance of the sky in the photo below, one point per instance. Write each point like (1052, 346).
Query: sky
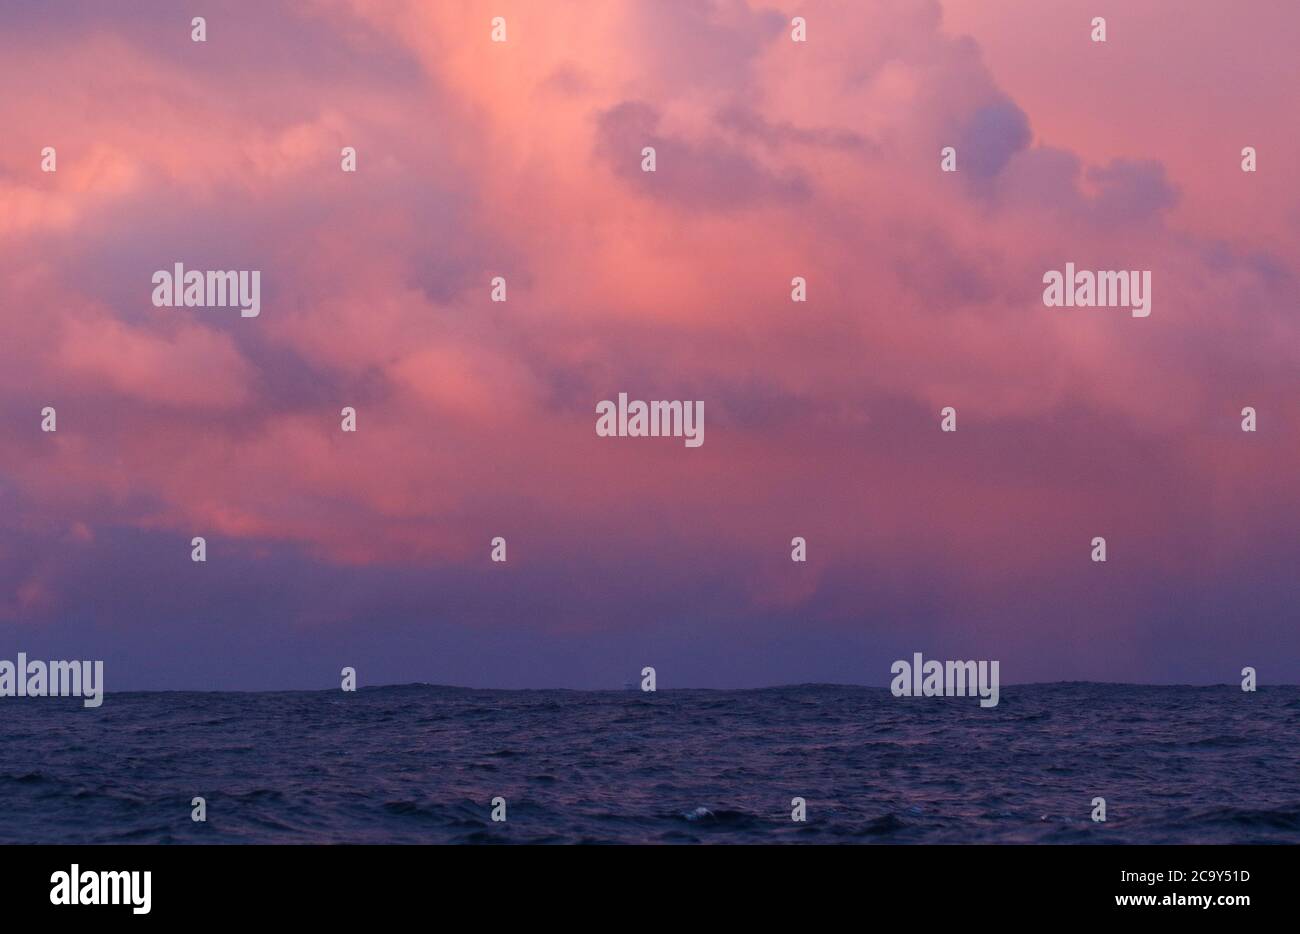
(476, 419)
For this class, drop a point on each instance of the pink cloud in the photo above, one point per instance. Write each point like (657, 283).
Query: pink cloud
(776, 160)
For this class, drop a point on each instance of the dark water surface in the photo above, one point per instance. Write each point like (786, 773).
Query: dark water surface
(420, 764)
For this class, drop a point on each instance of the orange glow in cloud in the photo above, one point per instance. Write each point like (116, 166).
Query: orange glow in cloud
(775, 160)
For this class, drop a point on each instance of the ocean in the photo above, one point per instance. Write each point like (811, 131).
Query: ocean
(422, 764)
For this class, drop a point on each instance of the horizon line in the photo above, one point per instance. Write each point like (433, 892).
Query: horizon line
(635, 690)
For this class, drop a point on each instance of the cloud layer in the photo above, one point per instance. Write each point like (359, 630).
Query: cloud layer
(476, 419)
